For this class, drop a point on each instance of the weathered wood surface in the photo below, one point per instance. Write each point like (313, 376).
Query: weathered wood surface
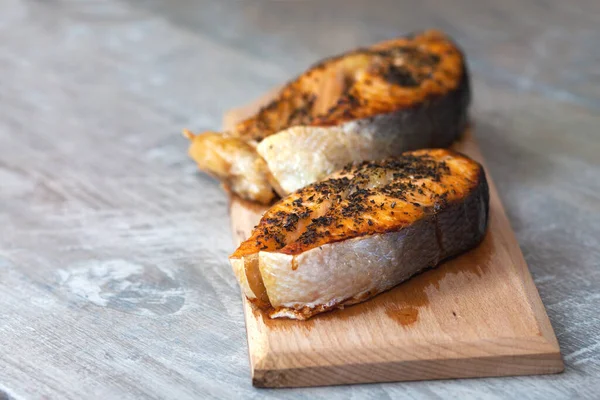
(113, 273)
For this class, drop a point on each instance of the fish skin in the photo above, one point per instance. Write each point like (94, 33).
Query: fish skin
(398, 95)
(366, 229)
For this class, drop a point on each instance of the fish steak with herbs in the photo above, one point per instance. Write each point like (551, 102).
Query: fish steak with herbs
(362, 231)
(367, 104)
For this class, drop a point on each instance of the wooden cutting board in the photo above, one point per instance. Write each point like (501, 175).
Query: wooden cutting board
(476, 315)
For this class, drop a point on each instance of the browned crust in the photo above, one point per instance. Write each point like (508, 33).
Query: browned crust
(273, 231)
(403, 73)
(382, 229)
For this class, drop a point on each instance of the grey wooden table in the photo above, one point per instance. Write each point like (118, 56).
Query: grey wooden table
(114, 281)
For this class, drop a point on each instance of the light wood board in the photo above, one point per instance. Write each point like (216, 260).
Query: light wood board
(476, 315)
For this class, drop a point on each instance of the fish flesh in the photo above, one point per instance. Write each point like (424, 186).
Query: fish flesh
(363, 230)
(368, 104)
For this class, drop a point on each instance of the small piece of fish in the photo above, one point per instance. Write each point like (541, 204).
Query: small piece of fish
(366, 104)
(362, 231)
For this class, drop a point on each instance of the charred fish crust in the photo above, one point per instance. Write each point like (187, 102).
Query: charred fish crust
(407, 168)
(401, 76)
(321, 221)
(403, 63)
(291, 222)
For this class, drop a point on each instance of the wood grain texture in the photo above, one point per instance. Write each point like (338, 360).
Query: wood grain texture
(113, 274)
(476, 315)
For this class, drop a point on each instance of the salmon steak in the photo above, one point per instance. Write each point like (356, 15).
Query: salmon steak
(367, 104)
(361, 231)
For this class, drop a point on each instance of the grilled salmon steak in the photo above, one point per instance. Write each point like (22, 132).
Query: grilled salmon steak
(362, 231)
(367, 104)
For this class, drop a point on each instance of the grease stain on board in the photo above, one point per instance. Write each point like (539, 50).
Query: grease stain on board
(403, 315)
(124, 286)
